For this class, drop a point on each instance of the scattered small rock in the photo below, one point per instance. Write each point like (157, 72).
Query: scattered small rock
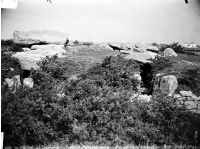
(140, 47)
(28, 82)
(26, 49)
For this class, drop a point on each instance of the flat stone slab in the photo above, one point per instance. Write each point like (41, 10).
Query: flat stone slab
(38, 36)
(29, 59)
(141, 57)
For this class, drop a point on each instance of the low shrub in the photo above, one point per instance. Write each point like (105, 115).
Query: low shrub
(87, 43)
(189, 80)
(160, 63)
(8, 63)
(76, 42)
(95, 109)
(9, 45)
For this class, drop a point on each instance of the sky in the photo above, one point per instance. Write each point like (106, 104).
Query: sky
(161, 21)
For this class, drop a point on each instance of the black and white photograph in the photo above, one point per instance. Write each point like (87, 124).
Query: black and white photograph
(100, 74)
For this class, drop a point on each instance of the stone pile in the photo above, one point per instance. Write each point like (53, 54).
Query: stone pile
(187, 98)
(138, 51)
(44, 43)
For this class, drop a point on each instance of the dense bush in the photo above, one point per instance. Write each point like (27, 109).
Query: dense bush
(175, 123)
(9, 45)
(87, 43)
(160, 63)
(8, 63)
(189, 79)
(95, 109)
(76, 42)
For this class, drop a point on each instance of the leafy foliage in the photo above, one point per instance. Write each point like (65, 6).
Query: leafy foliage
(8, 63)
(190, 80)
(9, 45)
(160, 63)
(87, 43)
(97, 108)
(76, 42)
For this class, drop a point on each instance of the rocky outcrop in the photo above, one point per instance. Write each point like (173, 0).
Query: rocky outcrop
(169, 52)
(189, 100)
(28, 82)
(136, 47)
(117, 46)
(104, 46)
(137, 77)
(140, 47)
(168, 84)
(36, 36)
(152, 48)
(29, 59)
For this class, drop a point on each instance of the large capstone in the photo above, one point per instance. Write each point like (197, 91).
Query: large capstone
(37, 36)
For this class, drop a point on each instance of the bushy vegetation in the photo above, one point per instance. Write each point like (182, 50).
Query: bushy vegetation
(160, 63)
(95, 109)
(9, 45)
(87, 43)
(189, 80)
(7, 64)
(76, 42)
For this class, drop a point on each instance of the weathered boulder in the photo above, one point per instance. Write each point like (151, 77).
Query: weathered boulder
(189, 100)
(129, 46)
(136, 47)
(186, 93)
(104, 46)
(141, 57)
(13, 83)
(168, 84)
(37, 36)
(138, 79)
(152, 48)
(140, 47)
(117, 46)
(29, 59)
(169, 52)
(28, 82)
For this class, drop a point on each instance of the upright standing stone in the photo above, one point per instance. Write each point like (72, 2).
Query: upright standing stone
(168, 84)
